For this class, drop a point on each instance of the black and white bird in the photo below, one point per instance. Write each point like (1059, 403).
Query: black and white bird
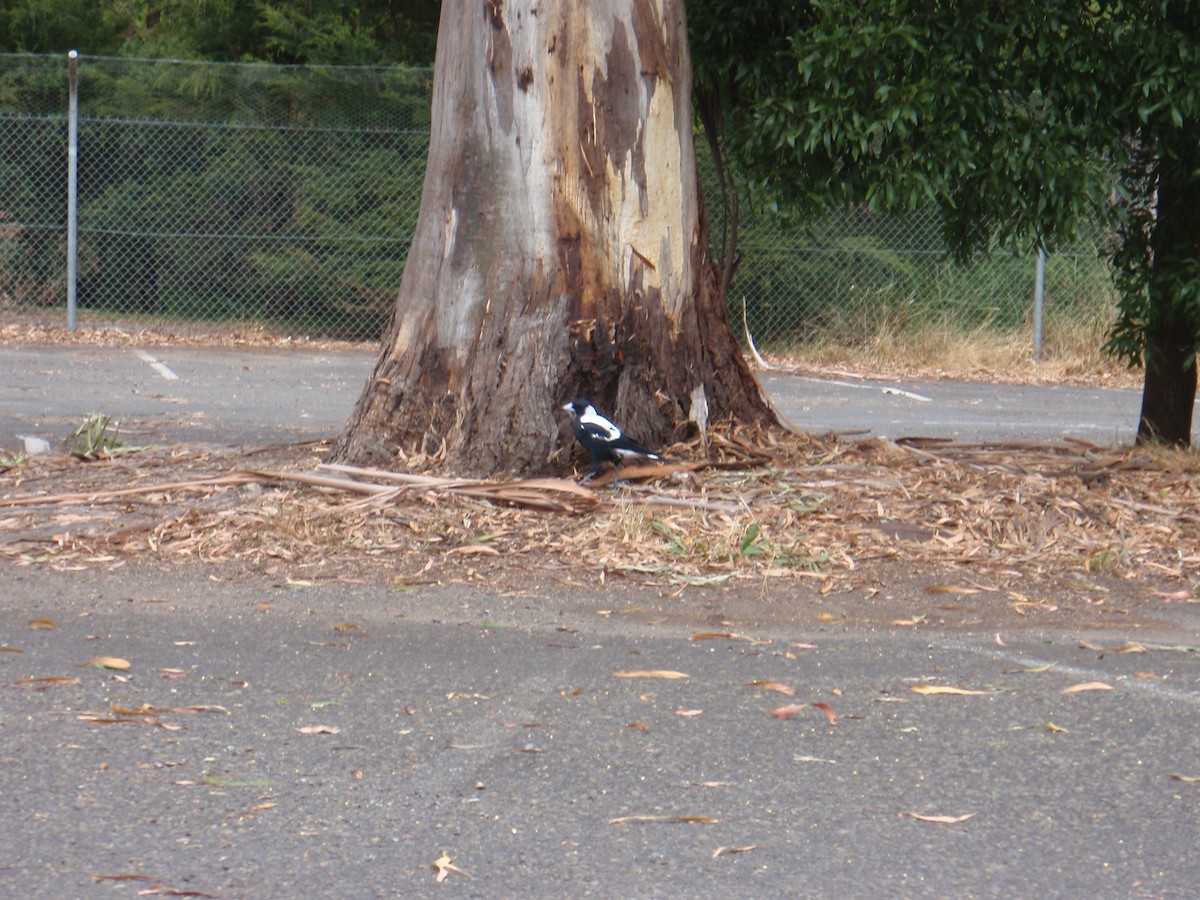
(603, 440)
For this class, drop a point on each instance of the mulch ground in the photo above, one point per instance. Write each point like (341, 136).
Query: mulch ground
(1023, 531)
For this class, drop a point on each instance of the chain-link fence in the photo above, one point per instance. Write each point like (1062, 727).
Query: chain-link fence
(854, 277)
(284, 198)
(281, 196)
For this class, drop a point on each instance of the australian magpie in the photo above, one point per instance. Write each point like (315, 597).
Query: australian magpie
(603, 440)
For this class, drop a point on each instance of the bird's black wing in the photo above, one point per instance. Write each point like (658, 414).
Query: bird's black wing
(624, 446)
(597, 431)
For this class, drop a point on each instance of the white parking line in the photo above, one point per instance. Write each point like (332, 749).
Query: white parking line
(909, 394)
(157, 366)
(1093, 673)
(895, 391)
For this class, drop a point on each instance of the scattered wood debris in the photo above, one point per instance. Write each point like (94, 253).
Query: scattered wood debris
(811, 509)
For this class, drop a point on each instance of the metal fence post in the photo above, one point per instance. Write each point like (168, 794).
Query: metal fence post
(1039, 292)
(72, 184)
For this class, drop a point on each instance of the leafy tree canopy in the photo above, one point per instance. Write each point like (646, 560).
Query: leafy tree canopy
(44, 26)
(1019, 119)
(334, 32)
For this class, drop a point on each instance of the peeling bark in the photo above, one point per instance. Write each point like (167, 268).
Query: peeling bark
(561, 247)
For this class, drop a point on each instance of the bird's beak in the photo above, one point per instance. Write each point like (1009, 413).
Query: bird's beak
(566, 406)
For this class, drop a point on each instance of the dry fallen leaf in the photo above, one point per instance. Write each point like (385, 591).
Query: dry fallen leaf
(640, 726)
(319, 729)
(144, 710)
(745, 849)
(689, 712)
(651, 673)
(47, 680)
(474, 550)
(829, 713)
(1187, 779)
(943, 689)
(1130, 647)
(105, 662)
(1032, 670)
(345, 626)
(950, 589)
(1087, 686)
(941, 820)
(702, 820)
(776, 686)
(162, 891)
(445, 865)
(1184, 594)
(786, 712)
(41, 624)
(147, 710)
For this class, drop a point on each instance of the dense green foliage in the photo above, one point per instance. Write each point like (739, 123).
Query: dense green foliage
(328, 32)
(292, 193)
(1020, 121)
(214, 191)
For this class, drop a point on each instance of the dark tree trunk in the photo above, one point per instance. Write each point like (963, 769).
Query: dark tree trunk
(711, 120)
(1173, 329)
(1168, 391)
(561, 248)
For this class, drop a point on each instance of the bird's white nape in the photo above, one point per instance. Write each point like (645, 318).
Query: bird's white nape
(591, 417)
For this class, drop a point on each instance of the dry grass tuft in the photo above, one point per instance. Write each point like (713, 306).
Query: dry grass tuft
(1072, 353)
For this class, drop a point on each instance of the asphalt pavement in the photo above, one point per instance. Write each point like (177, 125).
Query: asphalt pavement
(959, 410)
(259, 739)
(256, 396)
(336, 741)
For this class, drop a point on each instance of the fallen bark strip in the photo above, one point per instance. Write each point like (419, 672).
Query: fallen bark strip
(551, 494)
(689, 503)
(555, 495)
(230, 480)
(1155, 509)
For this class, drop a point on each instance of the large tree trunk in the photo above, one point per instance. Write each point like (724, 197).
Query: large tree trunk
(1173, 329)
(561, 248)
